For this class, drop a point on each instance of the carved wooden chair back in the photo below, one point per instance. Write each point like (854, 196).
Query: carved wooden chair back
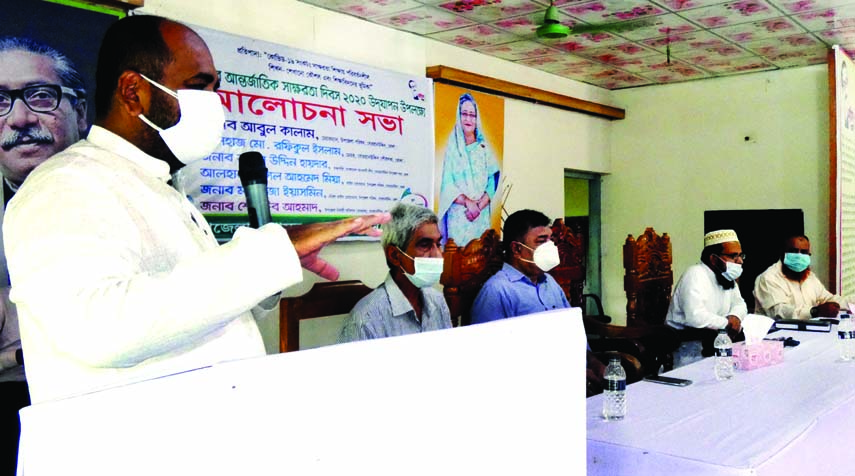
(466, 269)
(570, 272)
(648, 277)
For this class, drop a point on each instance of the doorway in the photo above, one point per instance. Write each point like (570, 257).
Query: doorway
(582, 214)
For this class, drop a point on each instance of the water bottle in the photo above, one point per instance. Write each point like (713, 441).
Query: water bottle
(614, 395)
(723, 356)
(846, 336)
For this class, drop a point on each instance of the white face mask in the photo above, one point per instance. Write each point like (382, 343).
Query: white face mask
(428, 271)
(200, 128)
(732, 271)
(545, 256)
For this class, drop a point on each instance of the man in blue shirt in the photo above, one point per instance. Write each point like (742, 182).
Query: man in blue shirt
(522, 286)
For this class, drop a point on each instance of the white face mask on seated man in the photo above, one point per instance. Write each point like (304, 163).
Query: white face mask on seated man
(545, 256)
(732, 271)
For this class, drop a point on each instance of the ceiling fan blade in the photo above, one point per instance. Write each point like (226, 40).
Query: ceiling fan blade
(614, 27)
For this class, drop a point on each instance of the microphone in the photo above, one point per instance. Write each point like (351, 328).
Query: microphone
(253, 177)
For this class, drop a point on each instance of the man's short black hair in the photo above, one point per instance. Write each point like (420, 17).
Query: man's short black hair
(517, 225)
(134, 43)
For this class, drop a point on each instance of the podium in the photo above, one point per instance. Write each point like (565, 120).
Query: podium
(507, 397)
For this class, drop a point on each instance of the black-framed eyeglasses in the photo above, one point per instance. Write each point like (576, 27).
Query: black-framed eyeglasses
(733, 256)
(40, 98)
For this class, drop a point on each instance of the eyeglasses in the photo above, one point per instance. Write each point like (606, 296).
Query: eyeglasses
(471, 115)
(798, 251)
(41, 98)
(733, 256)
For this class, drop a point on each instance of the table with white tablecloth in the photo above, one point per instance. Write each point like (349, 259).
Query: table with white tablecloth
(795, 417)
(501, 398)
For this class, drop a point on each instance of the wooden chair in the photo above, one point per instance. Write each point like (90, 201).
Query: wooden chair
(570, 273)
(604, 340)
(324, 299)
(466, 270)
(648, 280)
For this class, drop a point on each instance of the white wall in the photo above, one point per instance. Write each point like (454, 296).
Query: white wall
(540, 142)
(681, 151)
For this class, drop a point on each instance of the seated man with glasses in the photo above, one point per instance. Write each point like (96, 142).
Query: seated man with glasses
(789, 290)
(707, 297)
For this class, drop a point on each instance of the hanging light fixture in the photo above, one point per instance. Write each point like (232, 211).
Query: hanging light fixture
(552, 28)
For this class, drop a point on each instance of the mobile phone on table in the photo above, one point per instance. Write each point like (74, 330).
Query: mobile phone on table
(677, 382)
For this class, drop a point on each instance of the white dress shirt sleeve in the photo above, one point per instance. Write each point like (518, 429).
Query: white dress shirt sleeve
(698, 314)
(75, 255)
(738, 307)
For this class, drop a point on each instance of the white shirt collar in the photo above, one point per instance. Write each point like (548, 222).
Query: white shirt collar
(110, 141)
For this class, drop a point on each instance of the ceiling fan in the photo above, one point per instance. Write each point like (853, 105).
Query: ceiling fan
(552, 27)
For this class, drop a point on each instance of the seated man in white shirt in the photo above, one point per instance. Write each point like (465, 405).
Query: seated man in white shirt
(789, 290)
(707, 297)
(407, 302)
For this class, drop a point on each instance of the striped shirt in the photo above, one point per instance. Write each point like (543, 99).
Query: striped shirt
(386, 312)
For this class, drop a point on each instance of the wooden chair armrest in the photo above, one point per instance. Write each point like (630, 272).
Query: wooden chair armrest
(624, 346)
(601, 316)
(609, 331)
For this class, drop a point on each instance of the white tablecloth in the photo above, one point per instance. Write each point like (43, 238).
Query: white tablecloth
(503, 398)
(790, 418)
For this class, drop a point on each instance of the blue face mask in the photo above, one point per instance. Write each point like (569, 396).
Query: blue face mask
(796, 261)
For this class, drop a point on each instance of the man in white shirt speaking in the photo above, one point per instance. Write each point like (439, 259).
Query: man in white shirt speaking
(117, 276)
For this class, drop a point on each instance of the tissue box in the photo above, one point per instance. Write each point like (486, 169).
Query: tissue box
(761, 354)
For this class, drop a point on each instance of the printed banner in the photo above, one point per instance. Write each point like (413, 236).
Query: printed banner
(339, 139)
(845, 174)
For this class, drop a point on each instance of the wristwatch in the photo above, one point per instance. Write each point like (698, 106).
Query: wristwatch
(19, 356)
(814, 311)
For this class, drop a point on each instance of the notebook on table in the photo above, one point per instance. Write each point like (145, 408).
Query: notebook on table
(815, 325)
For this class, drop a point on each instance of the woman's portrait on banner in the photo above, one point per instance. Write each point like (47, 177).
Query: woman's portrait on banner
(469, 152)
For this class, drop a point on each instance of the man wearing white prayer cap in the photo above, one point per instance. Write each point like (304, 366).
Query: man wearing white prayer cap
(706, 296)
